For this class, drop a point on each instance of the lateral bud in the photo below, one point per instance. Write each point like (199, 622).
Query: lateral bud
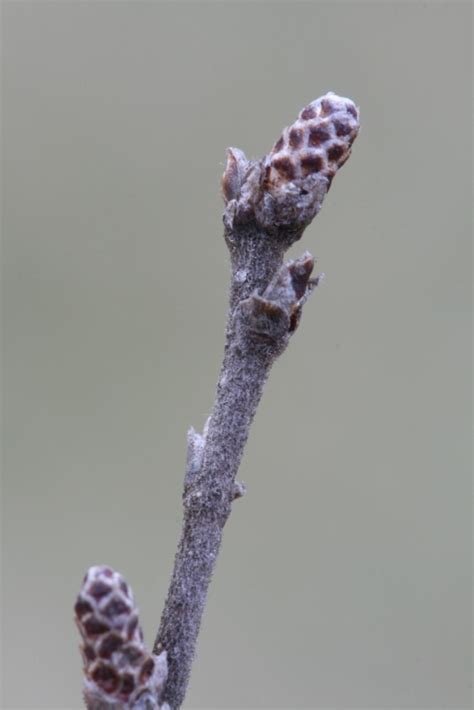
(233, 176)
(274, 315)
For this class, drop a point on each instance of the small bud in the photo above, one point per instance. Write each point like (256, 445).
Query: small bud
(239, 490)
(266, 321)
(233, 174)
(117, 666)
(273, 316)
(290, 284)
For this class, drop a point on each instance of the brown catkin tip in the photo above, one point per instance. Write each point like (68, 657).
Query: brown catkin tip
(318, 143)
(117, 666)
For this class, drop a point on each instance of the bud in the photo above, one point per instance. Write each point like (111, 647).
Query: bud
(318, 143)
(284, 191)
(233, 176)
(118, 668)
(273, 316)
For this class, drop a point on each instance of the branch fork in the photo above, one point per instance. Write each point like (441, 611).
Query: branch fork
(268, 204)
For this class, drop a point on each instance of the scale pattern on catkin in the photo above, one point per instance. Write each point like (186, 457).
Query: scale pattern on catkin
(318, 142)
(117, 666)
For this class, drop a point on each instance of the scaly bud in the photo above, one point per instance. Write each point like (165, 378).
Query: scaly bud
(272, 317)
(317, 143)
(284, 191)
(118, 669)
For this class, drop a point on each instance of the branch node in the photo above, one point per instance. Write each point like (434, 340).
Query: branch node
(270, 318)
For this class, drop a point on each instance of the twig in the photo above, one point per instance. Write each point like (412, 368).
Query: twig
(269, 203)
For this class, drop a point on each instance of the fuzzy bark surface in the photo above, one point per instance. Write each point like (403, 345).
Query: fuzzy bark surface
(269, 203)
(209, 490)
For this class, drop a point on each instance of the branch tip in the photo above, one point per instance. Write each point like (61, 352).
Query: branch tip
(284, 191)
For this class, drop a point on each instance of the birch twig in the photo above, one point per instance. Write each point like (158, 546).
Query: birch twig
(269, 203)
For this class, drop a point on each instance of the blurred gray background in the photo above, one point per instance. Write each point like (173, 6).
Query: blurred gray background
(344, 578)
